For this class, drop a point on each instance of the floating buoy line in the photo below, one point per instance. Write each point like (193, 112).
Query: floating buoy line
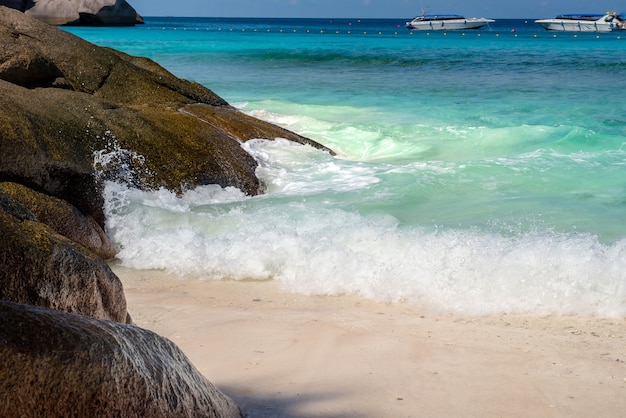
(513, 34)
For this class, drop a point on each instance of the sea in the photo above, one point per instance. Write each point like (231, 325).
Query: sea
(476, 172)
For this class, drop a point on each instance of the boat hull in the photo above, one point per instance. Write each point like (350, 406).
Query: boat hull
(451, 24)
(575, 26)
(584, 23)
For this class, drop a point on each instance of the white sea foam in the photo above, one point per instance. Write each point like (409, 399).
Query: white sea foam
(309, 236)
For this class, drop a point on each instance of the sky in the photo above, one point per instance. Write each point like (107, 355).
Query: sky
(514, 9)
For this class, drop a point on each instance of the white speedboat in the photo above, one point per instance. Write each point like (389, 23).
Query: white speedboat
(446, 22)
(607, 22)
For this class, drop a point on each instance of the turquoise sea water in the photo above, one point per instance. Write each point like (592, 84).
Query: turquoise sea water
(476, 172)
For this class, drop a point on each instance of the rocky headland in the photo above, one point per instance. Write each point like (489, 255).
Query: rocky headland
(78, 12)
(72, 116)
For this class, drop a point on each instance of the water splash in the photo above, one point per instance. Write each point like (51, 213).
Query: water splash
(114, 163)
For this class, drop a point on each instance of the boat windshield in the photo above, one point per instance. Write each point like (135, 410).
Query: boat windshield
(580, 17)
(439, 17)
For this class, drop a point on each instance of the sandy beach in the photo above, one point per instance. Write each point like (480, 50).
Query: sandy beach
(286, 355)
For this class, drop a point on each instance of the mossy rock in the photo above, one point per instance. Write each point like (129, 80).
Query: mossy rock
(43, 268)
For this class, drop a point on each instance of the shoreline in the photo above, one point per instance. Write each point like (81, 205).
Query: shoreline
(287, 355)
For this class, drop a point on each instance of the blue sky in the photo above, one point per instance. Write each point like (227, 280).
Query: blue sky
(371, 8)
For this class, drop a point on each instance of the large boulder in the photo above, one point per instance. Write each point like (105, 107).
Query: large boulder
(66, 103)
(55, 364)
(62, 217)
(42, 268)
(78, 12)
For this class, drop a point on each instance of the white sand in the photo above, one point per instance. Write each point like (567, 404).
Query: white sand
(286, 355)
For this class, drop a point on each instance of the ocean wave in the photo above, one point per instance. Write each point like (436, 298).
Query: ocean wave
(314, 247)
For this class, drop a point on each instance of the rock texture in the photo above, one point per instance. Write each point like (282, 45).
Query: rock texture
(43, 268)
(78, 12)
(61, 217)
(55, 364)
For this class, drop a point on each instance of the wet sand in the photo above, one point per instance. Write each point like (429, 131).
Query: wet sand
(285, 355)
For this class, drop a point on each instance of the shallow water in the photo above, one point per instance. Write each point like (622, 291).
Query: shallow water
(477, 172)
